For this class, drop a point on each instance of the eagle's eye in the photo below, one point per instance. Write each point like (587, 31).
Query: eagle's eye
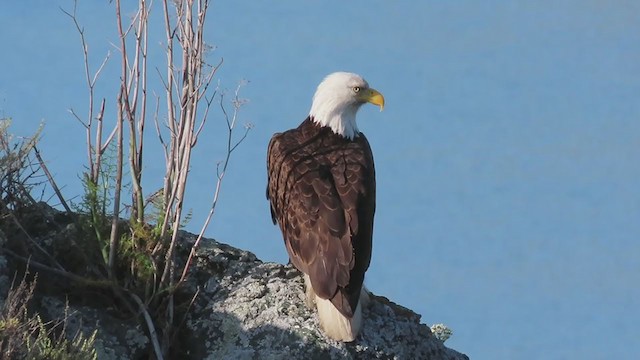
(356, 88)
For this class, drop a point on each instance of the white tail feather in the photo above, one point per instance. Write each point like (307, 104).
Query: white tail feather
(334, 324)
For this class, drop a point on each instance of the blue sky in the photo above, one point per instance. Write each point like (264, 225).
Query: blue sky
(507, 154)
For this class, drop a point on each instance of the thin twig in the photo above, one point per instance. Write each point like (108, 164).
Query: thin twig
(186, 312)
(220, 175)
(60, 272)
(114, 240)
(100, 117)
(94, 164)
(56, 189)
(32, 240)
(94, 283)
(72, 112)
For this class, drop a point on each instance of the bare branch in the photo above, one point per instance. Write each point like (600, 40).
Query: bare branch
(44, 168)
(94, 165)
(57, 271)
(187, 82)
(149, 321)
(220, 175)
(102, 65)
(98, 149)
(114, 241)
(31, 240)
(86, 126)
(108, 141)
(247, 128)
(158, 132)
(204, 119)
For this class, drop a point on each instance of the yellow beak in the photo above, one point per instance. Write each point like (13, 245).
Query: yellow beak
(373, 96)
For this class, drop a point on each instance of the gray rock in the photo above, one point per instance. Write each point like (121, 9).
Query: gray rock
(238, 308)
(116, 338)
(247, 309)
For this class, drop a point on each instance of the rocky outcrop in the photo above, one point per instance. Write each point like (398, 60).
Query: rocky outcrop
(254, 310)
(244, 308)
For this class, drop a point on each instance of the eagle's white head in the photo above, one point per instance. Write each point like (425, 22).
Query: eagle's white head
(337, 100)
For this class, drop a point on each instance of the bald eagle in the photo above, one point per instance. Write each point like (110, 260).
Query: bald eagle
(322, 191)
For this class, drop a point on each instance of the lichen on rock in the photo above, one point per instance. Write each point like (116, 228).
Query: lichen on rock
(257, 311)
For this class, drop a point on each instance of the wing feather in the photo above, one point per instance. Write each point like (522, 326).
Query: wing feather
(321, 189)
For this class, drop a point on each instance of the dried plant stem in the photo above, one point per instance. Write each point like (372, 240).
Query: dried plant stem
(188, 101)
(31, 239)
(189, 29)
(56, 189)
(231, 146)
(149, 321)
(114, 241)
(94, 153)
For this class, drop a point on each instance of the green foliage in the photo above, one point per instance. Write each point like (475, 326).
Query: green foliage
(186, 219)
(156, 200)
(28, 337)
(135, 266)
(47, 346)
(96, 203)
(135, 251)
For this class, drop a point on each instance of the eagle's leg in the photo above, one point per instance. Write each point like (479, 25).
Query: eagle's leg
(310, 298)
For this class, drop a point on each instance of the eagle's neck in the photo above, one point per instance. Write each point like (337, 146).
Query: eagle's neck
(341, 119)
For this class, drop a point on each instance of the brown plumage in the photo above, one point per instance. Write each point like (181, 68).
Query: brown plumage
(322, 191)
